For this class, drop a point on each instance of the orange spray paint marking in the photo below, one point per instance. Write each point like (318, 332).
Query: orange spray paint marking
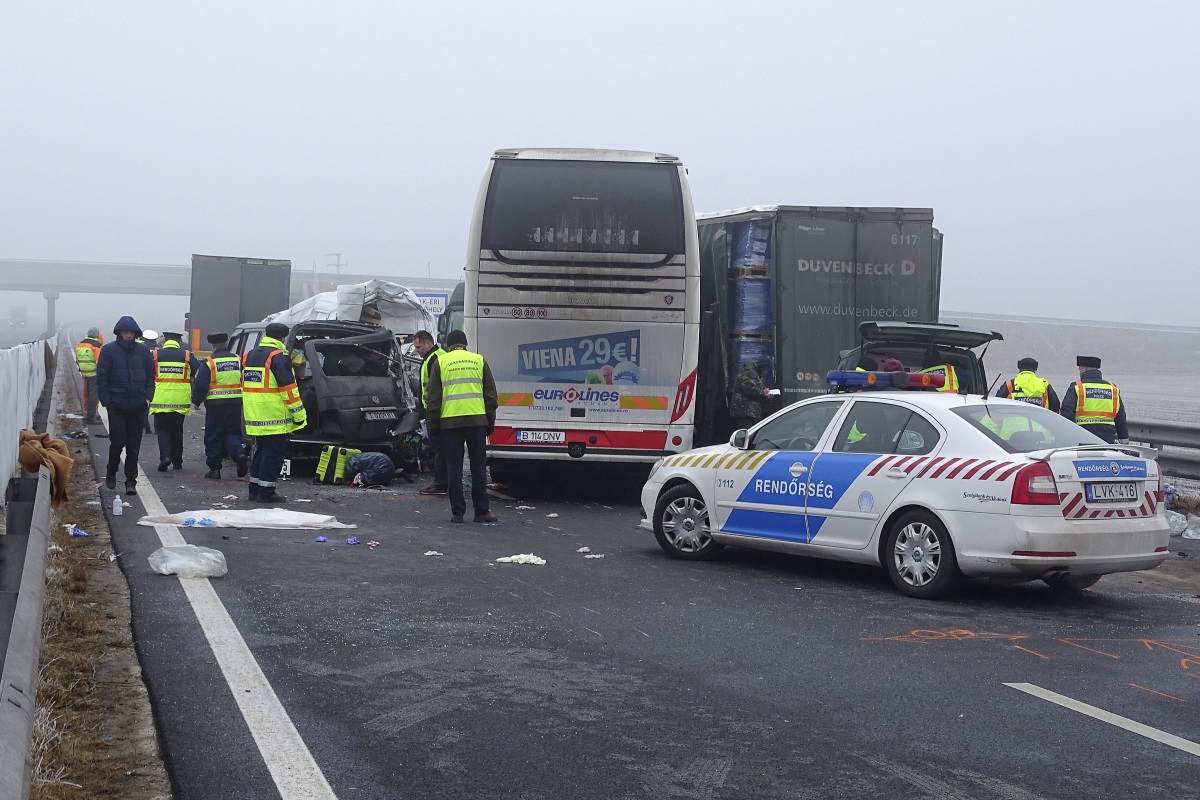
(1160, 694)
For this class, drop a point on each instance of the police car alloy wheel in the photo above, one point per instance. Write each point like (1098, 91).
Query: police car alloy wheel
(920, 556)
(682, 525)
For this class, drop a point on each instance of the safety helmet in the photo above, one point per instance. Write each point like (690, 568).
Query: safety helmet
(150, 335)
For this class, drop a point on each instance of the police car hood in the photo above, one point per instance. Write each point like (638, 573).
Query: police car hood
(714, 448)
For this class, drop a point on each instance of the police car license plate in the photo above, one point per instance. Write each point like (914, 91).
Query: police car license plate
(379, 415)
(542, 437)
(1110, 492)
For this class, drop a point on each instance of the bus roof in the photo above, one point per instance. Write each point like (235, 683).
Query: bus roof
(586, 154)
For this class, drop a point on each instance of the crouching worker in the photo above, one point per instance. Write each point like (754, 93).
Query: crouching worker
(218, 385)
(272, 409)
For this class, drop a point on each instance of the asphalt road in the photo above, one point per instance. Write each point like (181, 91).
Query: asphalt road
(635, 675)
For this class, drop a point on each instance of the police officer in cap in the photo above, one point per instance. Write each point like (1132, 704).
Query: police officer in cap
(1095, 404)
(218, 385)
(1029, 388)
(272, 409)
(173, 371)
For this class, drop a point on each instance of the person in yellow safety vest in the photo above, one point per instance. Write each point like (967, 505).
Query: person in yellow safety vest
(87, 353)
(424, 344)
(1095, 404)
(1029, 388)
(460, 403)
(271, 409)
(948, 372)
(172, 401)
(218, 385)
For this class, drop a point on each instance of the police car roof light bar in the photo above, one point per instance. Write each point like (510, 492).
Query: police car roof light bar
(857, 379)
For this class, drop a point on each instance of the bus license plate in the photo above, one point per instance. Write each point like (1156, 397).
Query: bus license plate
(379, 415)
(542, 437)
(1111, 492)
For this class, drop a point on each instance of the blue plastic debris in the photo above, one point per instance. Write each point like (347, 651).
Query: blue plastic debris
(206, 522)
(352, 540)
(190, 521)
(491, 524)
(75, 531)
(321, 539)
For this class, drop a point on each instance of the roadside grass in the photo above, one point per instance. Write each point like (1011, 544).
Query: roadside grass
(93, 733)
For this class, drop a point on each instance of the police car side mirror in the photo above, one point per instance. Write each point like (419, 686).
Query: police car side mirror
(740, 439)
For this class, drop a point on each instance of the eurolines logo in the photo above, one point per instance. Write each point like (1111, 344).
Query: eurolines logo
(572, 394)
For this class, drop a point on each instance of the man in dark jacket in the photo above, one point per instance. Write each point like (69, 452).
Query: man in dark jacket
(460, 403)
(745, 407)
(218, 385)
(1095, 404)
(125, 383)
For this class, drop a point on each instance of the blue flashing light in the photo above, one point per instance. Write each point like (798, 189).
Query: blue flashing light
(858, 379)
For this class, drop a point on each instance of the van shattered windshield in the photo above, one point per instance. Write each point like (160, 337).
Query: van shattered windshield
(1024, 428)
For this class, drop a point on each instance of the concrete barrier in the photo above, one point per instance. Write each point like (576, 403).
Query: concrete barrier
(23, 373)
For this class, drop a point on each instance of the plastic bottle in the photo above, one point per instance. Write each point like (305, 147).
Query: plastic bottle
(118, 507)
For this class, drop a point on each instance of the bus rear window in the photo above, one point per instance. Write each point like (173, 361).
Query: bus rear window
(584, 206)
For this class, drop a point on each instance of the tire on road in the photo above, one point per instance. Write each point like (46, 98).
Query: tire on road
(682, 525)
(919, 556)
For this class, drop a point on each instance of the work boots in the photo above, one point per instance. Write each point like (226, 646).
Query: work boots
(213, 474)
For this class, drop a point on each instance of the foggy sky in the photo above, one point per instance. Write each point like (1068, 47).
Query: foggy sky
(1054, 141)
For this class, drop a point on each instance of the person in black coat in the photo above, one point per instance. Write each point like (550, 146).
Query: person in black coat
(125, 382)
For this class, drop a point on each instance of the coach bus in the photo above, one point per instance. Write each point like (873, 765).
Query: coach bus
(582, 292)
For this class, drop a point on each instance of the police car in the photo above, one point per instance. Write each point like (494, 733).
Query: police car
(934, 486)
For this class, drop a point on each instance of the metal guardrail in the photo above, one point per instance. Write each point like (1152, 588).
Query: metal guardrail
(22, 591)
(1159, 434)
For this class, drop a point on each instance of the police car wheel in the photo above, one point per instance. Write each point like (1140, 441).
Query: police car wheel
(682, 526)
(1071, 583)
(919, 556)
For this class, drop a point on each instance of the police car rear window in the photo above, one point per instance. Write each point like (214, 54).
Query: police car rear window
(1025, 428)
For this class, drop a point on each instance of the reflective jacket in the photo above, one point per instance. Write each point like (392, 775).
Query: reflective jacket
(172, 380)
(1095, 404)
(87, 353)
(270, 398)
(460, 392)
(218, 378)
(434, 353)
(946, 371)
(1029, 388)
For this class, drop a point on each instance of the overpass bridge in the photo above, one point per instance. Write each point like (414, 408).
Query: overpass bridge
(52, 279)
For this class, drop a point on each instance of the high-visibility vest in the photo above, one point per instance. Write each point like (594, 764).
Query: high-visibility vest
(1096, 403)
(269, 408)
(172, 382)
(462, 384)
(87, 353)
(436, 351)
(224, 378)
(947, 372)
(1029, 388)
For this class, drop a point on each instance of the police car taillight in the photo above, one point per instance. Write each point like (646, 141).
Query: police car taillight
(856, 379)
(1034, 486)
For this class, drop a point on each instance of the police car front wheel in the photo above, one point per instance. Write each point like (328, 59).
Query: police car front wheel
(682, 526)
(919, 556)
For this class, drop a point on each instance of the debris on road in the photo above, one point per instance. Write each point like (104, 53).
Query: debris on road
(523, 558)
(76, 531)
(230, 497)
(1193, 527)
(321, 539)
(188, 561)
(1177, 521)
(594, 555)
(526, 508)
(352, 540)
(256, 518)
(204, 522)
(552, 516)
(432, 553)
(584, 550)
(372, 544)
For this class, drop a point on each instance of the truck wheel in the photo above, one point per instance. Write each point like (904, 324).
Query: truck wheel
(682, 526)
(919, 556)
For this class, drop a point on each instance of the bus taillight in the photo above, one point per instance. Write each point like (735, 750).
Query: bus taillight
(683, 396)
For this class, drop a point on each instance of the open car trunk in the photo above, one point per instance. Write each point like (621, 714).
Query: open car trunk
(925, 344)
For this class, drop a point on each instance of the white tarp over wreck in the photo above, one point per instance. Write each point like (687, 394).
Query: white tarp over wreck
(400, 310)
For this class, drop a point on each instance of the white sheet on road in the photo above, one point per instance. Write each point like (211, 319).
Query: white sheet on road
(257, 518)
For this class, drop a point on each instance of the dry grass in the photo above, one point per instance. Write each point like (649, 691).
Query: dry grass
(93, 733)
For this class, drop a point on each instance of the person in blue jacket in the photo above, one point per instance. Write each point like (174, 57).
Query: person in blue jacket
(125, 382)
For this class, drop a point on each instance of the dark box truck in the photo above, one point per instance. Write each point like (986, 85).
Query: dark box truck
(227, 291)
(792, 283)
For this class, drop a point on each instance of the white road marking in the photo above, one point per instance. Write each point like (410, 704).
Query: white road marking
(295, 772)
(1162, 737)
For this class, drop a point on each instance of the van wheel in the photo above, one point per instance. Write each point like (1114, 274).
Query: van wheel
(1071, 583)
(919, 556)
(682, 526)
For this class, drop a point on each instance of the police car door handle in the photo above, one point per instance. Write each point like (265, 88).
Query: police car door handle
(896, 473)
(797, 469)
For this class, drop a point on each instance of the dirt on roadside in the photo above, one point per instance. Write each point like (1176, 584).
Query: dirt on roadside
(94, 734)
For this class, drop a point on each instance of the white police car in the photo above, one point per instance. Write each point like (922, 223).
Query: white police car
(933, 486)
